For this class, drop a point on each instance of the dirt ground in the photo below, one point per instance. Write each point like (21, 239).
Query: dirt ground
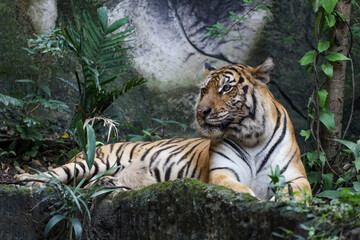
(50, 154)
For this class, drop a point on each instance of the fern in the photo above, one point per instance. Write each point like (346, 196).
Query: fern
(103, 58)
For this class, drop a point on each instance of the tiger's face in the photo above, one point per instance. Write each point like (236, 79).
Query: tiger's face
(228, 100)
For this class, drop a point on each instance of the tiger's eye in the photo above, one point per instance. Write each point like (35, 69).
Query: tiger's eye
(226, 88)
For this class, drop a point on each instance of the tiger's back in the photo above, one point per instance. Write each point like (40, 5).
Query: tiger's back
(143, 163)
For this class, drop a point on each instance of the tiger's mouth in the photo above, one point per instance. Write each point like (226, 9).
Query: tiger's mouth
(214, 127)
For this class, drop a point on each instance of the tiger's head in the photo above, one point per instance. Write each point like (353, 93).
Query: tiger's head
(229, 101)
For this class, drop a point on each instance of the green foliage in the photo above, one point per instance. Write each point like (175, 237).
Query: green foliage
(69, 203)
(28, 131)
(355, 150)
(99, 48)
(220, 31)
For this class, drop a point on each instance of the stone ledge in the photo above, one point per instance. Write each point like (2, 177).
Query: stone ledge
(182, 209)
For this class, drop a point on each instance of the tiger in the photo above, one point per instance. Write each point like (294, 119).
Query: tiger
(245, 133)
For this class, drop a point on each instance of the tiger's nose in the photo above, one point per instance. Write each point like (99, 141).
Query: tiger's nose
(204, 112)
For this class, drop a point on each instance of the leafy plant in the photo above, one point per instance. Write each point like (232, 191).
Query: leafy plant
(70, 203)
(99, 48)
(26, 125)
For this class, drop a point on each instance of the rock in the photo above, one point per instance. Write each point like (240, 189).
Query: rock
(182, 209)
(170, 43)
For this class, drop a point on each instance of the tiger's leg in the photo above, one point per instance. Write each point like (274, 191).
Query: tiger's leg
(222, 177)
(64, 173)
(297, 186)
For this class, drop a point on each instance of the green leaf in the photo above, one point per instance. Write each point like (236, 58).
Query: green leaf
(328, 69)
(81, 138)
(322, 98)
(308, 58)
(332, 194)
(327, 118)
(356, 186)
(305, 133)
(91, 143)
(74, 197)
(76, 224)
(323, 45)
(7, 100)
(350, 145)
(357, 163)
(45, 88)
(98, 193)
(117, 24)
(25, 81)
(341, 15)
(316, 5)
(334, 56)
(328, 5)
(52, 222)
(328, 179)
(103, 18)
(330, 20)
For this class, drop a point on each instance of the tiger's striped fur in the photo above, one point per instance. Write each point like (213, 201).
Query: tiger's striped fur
(246, 132)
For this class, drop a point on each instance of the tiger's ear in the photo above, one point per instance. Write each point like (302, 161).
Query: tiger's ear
(262, 72)
(209, 69)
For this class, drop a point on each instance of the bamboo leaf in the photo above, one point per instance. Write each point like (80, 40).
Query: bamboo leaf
(115, 60)
(52, 222)
(76, 224)
(91, 143)
(117, 24)
(103, 18)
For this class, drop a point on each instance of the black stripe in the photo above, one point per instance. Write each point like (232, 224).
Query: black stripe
(111, 147)
(274, 146)
(233, 69)
(238, 152)
(181, 172)
(52, 171)
(146, 153)
(82, 165)
(277, 125)
(188, 152)
(132, 152)
(253, 112)
(286, 166)
(223, 155)
(119, 149)
(228, 169)
(157, 174)
(107, 162)
(67, 171)
(96, 169)
(196, 165)
(168, 172)
(241, 80)
(189, 163)
(156, 154)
